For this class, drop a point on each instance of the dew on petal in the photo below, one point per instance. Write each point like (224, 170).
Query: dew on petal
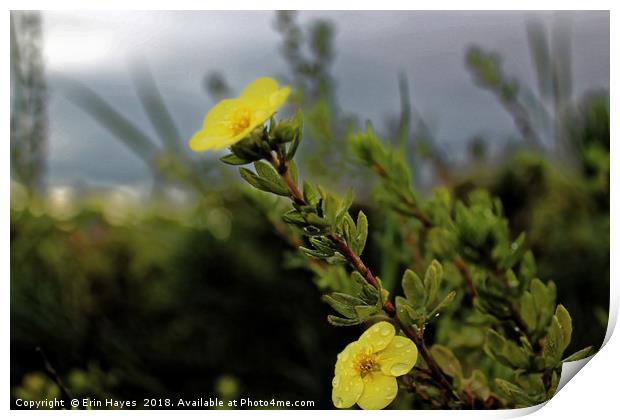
(336, 381)
(399, 369)
(385, 331)
(338, 402)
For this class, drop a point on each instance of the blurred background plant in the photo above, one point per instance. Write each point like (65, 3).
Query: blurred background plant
(161, 293)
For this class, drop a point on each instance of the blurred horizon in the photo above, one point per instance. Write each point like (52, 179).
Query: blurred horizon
(97, 49)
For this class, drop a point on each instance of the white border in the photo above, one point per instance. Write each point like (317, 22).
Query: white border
(593, 394)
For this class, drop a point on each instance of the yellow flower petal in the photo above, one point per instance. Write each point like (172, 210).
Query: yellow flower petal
(378, 336)
(346, 359)
(233, 119)
(398, 357)
(260, 88)
(217, 121)
(277, 99)
(379, 391)
(346, 390)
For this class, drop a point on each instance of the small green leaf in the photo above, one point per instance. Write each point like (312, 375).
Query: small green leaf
(330, 205)
(447, 361)
(263, 184)
(365, 311)
(294, 217)
(443, 304)
(341, 307)
(432, 278)
(309, 194)
(292, 169)
(565, 323)
(313, 253)
(581, 354)
(250, 177)
(344, 207)
(527, 310)
(554, 344)
(233, 159)
(405, 312)
(362, 231)
(267, 172)
(414, 289)
(342, 322)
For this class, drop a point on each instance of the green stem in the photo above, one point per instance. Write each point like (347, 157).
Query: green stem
(296, 195)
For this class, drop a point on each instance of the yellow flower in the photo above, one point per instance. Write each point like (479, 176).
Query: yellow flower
(366, 369)
(233, 119)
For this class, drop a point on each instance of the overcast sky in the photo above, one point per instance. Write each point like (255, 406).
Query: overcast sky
(371, 49)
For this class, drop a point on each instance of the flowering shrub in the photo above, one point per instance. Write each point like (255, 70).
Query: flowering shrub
(498, 336)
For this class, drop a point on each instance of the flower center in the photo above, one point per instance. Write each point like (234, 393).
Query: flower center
(366, 363)
(240, 120)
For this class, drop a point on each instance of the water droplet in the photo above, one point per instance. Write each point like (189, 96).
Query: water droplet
(399, 344)
(399, 369)
(385, 331)
(380, 343)
(437, 315)
(517, 329)
(344, 355)
(338, 402)
(514, 246)
(336, 381)
(347, 388)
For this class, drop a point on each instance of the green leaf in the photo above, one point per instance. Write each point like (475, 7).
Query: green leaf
(292, 169)
(251, 178)
(432, 278)
(414, 289)
(344, 207)
(362, 231)
(544, 301)
(478, 384)
(518, 357)
(342, 322)
(440, 241)
(527, 269)
(364, 312)
(554, 344)
(267, 172)
(294, 217)
(309, 194)
(298, 123)
(443, 304)
(565, 323)
(527, 310)
(405, 312)
(343, 308)
(330, 206)
(313, 253)
(263, 184)
(233, 159)
(447, 361)
(317, 220)
(581, 354)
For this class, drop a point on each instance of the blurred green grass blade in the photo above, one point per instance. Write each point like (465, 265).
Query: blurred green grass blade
(404, 124)
(155, 107)
(541, 57)
(130, 135)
